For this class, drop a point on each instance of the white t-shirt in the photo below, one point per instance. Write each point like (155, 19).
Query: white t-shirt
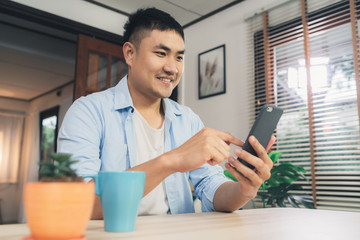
(149, 145)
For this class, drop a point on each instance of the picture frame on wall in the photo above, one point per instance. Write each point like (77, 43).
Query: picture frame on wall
(211, 68)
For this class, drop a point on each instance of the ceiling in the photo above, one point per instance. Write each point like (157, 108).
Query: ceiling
(35, 59)
(184, 12)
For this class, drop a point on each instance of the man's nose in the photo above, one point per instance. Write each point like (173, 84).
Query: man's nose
(170, 67)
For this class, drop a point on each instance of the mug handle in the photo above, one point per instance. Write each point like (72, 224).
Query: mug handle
(95, 177)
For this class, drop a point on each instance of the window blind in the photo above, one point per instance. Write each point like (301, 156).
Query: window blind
(311, 75)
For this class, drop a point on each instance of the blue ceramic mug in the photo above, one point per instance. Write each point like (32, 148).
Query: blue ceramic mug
(120, 195)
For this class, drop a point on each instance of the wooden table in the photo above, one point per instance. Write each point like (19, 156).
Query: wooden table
(268, 224)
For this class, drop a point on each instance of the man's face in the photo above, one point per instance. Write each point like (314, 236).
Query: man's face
(156, 66)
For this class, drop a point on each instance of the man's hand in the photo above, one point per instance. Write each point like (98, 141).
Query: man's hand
(251, 180)
(207, 146)
(231, 196)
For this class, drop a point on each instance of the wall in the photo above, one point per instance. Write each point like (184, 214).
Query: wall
(14, 105)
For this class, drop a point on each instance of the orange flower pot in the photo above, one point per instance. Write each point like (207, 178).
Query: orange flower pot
(58, 210)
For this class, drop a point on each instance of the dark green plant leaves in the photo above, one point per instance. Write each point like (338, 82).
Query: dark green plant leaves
(284, 173)
(306, 200)
(277, 196)
(59, 167)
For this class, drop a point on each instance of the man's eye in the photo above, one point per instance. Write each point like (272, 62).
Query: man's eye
(180, 58)
(160, 53)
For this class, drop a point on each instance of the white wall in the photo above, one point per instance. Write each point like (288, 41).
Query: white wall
(230, 111)
(14, 105)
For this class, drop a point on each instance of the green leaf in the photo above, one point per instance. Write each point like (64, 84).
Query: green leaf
(253, 203)
(46, 172)
(282, 179)
(60, 157)
(271, 201)
(274, 156)
(294, 187)
(229, 175)
(292, 201)
(305, 200)
(263, 186)
(281, 202)
(272, 182)
(71, 162)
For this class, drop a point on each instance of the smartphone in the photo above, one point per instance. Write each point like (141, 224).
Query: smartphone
(263, 128)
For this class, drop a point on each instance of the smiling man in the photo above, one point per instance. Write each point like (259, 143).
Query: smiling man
(134, 126)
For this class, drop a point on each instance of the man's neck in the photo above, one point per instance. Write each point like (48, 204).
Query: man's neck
(150, 109)
(152, 113)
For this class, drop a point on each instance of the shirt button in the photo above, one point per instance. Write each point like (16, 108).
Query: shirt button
(132, 110)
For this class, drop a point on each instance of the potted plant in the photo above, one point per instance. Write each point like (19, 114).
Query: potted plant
(59, 206)
(276, 191)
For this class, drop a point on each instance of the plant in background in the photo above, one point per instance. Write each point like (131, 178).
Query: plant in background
(59, 169)
(277, 189)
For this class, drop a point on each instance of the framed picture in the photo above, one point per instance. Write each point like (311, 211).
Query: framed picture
(212, 72)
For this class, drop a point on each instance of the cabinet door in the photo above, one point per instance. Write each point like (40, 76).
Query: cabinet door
(99, 65)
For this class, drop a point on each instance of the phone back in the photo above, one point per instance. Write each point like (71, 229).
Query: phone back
(263, 126)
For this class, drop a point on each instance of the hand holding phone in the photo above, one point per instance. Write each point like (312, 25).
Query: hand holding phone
(262, 129)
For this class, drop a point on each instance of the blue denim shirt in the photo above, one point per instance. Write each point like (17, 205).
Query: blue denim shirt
(98, 130)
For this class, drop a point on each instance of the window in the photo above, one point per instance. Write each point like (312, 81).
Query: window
(48, 133)
(320, 126)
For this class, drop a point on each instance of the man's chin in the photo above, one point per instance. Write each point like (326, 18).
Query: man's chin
(166, 94)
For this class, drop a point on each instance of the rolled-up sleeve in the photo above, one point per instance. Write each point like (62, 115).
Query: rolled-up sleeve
(206, 181)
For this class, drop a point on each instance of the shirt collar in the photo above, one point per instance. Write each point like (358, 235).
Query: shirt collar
(123, 100)
(122, 95)
(171, 110)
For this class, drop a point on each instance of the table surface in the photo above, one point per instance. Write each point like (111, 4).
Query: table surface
(269, 224)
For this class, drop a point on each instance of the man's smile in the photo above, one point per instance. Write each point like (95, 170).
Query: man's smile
(166, 79)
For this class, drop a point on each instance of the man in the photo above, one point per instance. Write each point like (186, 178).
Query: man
(134, 126)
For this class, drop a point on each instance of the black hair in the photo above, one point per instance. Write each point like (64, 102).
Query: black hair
(149, 19)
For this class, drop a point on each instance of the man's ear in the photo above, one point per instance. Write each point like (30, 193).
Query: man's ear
(129, 52)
